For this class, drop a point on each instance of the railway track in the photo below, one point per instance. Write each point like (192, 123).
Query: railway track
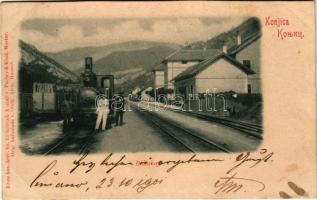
(88, 142)
(186, 138)
(70, 137)
(247, 128)
(250, 129)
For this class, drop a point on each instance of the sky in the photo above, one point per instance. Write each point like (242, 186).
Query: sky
(53, 35)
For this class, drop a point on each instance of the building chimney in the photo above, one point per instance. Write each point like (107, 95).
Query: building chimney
(238, 38)
(88, 63)
(247, 63)
(224, 48)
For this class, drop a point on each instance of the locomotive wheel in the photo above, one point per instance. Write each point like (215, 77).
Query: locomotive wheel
(84, 122)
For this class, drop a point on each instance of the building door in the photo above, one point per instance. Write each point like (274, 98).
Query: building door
(249, 88)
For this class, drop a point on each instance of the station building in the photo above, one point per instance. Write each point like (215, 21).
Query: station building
(181, 60)
(159, 77)
(43, 82)
(219, 73)
(248, 53)
(236, 67)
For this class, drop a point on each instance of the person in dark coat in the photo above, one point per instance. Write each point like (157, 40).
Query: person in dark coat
(119, 110)
(67, 111)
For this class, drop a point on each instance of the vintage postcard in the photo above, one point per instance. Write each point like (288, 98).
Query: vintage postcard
(158, 100)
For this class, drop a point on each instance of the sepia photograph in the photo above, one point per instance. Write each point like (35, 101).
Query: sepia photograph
(158, 100)
(186, 84)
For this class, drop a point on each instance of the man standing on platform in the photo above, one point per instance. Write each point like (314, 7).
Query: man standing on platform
(102, 113)
(119, 110)
(67, 111)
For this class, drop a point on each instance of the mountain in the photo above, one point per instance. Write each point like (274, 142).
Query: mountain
(146, 59)
(142, 79)
(132, 68)
(41, 68)
(246, 29)
(74, 58)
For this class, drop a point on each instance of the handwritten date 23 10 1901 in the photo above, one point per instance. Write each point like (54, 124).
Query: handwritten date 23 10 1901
(138, 184)
(231, 182)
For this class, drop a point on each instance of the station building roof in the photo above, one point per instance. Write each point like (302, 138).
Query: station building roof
(195, 69)
(191, 55)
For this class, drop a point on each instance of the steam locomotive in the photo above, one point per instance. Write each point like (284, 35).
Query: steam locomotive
(93, 86)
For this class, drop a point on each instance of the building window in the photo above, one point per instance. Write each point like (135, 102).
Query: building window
(184, 62)
(249, 88)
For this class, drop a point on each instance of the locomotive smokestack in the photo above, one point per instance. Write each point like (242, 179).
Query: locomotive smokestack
(88, 63)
